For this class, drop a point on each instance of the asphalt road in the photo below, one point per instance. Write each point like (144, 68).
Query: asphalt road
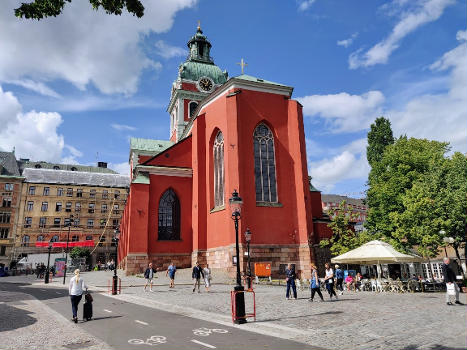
(124, 325)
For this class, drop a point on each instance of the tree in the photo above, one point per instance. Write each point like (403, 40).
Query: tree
(379, 136)
(343, 237)
(39, 9)
(79, 252)
(403, 164)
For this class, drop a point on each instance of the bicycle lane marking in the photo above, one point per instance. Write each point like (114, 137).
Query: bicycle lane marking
(204, 344)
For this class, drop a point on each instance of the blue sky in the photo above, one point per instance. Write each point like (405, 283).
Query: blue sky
(75, 88)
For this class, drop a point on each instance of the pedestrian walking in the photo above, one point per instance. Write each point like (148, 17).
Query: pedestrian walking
(196, 275)
(450, 279)
(339, 279)
(76, 290)
(314, 285)
(149, 275)
(290, 279)
(329, 280)
(171, 273)
(207, 277)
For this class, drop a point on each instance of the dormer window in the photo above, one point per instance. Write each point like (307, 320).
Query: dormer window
(200, 50)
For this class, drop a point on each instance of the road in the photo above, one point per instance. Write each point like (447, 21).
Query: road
(125, 325)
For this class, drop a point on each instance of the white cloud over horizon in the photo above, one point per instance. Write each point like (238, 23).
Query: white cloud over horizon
(424, 11)
(123, 127)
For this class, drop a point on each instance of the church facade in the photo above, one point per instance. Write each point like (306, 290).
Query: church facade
(242, 133)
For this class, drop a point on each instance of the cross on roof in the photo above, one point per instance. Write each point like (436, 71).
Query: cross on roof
(242, 64)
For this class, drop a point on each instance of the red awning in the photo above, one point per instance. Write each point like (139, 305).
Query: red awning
(88, 243)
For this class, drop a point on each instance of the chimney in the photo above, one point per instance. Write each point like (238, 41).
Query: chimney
(102, 164)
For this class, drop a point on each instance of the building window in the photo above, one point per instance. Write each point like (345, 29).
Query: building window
(44, 206)
(54, 239)
(169, 216)
(59, 192)
(89, 238)
(25, 241)
(115, 223)
(66, 222)
(117, 194)
(218, 157)
(192, 108)
(58, 206)
(40, 238)
(74, 238)
(9, 187)
(101, 241)
(92, 193)
(76, 222)
(4, 232)
(32, 190)
(42, 221)
(91, 208)
(27, 221)
(69, 192)
(30, 206)
(102, 223)
(68, 207)
(5, 218)
(105, 194)
(265, 165)
(2, 250)
(77, 206)
(57, 222)
(6, 203)
(90, 223)
(116, 209)
(46, 191)
(104, 208)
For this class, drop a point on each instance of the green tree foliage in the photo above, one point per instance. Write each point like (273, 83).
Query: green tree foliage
(379, 136)
(39, 9)
(343, 237)
(404, 165)
(79, 252)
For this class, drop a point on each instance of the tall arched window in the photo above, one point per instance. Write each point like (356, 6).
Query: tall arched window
(192, 108)
(265, 165)
(169, 216)
(218, 158)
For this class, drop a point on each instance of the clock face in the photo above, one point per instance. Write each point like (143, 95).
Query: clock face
(205, 84)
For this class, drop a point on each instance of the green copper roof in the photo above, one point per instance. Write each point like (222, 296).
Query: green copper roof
(192, 70)
(148, 145)
(141, 179)
(312, 188)
(257, 80)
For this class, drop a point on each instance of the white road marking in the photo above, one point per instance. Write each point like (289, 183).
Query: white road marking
(141, 322)
(58, 292)
(107, 311)
(204, 344)
(43, 290)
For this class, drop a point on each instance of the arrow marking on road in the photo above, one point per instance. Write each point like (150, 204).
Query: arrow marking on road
(107, 310)
(141, 322)
(204, 344)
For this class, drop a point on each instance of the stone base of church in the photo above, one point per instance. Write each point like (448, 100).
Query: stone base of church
(137, 263)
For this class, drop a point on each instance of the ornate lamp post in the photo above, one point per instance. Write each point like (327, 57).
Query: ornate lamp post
(66, 255)
(47, 272)
(115, 277)
(248, 240)
(236, 206)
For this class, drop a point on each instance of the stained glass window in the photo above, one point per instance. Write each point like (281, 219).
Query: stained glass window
(265, 165)
(169, 216)
(218, 157)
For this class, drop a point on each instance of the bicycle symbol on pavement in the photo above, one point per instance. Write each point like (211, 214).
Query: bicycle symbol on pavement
(204, 332)
(154, 340)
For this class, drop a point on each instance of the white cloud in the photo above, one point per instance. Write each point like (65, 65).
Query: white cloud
(425, 12)
(35, 86)
(33, 134)
(122, 127)
(167, 51)
(305, 4)
(121, 168)
(344, 112)
(347, 42)
(83, 46)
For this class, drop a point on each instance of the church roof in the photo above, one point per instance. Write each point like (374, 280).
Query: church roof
(257, 80)
(191, 70)
(25, 164)
(149, 145)
(8, 165)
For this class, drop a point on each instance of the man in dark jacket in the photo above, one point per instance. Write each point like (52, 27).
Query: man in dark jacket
(290, 278)
(196, 275)
(450, 280)
(149, 275)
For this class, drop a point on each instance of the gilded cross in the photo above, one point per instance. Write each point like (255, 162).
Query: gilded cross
(242, 64)
(199, 24)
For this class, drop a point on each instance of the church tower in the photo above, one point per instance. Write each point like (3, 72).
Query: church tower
(197, 77)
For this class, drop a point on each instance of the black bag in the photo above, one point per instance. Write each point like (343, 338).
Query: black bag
(88, 298)
(87, 310)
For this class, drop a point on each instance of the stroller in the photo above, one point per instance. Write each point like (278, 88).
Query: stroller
(87, 306)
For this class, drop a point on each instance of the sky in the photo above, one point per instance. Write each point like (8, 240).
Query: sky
(77, 87)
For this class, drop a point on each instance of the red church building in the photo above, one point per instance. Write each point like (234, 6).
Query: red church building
(242, 133)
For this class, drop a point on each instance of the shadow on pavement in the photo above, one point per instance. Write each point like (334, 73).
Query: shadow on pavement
(13, 318)
(101, 318)
(432, 347)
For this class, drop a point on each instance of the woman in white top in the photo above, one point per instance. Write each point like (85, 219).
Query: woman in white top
(76, 290)
(329, 280)
(207, 277)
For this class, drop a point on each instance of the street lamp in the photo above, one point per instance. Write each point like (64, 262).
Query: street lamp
(47, 272)
(236, 206)
(447, 240)
(66, 255)
(248, 240)
(115, 277)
